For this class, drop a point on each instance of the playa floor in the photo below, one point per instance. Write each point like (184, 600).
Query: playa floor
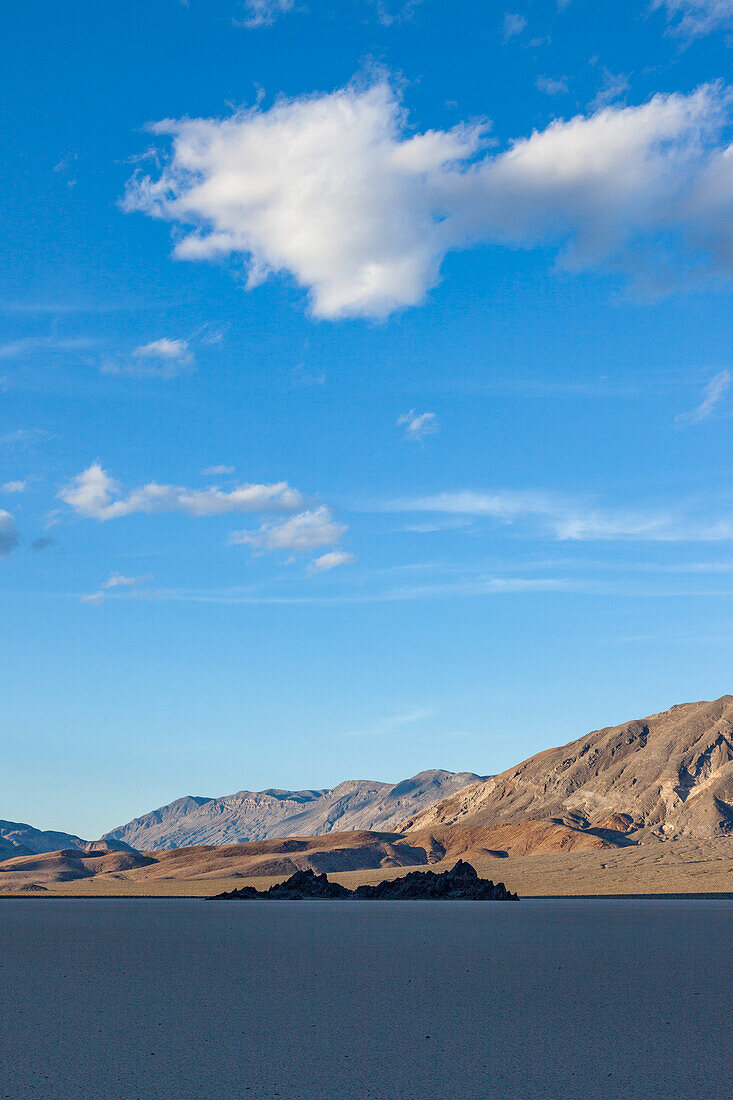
(152, 999)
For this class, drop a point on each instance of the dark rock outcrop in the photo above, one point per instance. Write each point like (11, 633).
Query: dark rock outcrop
(461, 883)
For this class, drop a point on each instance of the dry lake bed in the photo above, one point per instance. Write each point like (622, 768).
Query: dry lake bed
(152, 998)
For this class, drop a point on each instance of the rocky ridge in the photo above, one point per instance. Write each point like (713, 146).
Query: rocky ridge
(669, 776)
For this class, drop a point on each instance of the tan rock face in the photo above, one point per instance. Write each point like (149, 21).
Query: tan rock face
(670, 774)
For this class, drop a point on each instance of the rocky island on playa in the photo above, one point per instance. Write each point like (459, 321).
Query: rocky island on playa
(461, 883)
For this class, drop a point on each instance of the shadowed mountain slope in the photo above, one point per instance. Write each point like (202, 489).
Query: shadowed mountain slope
(355, 850)
(260, 815)
(18, 839)
(669, 775)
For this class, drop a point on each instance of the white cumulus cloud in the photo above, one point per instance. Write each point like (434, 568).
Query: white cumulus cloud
(15, 486)
(95, 495)
(306, 531)
(337, 192)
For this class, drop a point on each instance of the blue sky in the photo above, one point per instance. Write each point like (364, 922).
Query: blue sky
(365, 388)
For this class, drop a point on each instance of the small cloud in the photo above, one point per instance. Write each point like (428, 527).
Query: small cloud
(65, 168)
(550, 86)
(15, 486)
(418, 425)
(306, 531)
(713, 393)
(218, 471)
(94, 598)
(162, 358)
(263, 13)
(309, 378)
(119, 580)
(42, 543)
(612, 86)
(330, 561)
(24, 438)
(9, 537)
(116, 580)
(388, 14)
(163, 349)
(513, 25)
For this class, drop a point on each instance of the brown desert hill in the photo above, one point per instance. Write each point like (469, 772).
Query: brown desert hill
(334, 853)
(669, 776)
(350, 851)
(48, 868)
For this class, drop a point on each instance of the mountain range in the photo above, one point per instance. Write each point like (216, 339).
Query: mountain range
(660, 779)
(252, 815)
(261, 815)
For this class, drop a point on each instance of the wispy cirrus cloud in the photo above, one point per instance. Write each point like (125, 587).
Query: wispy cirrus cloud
(394, 723)
(612, 87)
(418, 425)
(34, 345)
(694, 18)
(115, 580)
(218, 471)
(338, 193)
(713, 394)
(263, 13)
(569, 519)
(120, 580)
(551, 85)
(95, 495)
